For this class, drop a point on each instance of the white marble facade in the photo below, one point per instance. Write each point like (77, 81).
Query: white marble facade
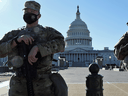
(78, 46)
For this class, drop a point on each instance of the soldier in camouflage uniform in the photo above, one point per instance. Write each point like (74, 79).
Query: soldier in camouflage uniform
(47, 42)
(121, 50)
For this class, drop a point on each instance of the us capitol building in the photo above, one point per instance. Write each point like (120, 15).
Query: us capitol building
(79, 51)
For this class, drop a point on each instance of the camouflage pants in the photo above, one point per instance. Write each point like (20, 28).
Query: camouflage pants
(42, 86)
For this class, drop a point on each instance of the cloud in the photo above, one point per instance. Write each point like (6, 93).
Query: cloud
(0, 1)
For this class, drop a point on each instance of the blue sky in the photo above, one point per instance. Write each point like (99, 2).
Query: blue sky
(105, 19)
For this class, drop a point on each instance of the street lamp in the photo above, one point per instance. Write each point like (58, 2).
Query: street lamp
(100, 61)
(110, 62)
(110, 59)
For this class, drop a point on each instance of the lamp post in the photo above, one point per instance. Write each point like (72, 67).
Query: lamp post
(100, 61)
(66, 64)
(110, 62)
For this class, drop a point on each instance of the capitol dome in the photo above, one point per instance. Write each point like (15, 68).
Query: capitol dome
(78, 35)
(76, 23)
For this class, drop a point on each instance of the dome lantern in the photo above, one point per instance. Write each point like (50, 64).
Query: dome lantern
(77, 13)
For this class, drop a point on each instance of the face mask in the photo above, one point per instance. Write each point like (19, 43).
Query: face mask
(30, 18)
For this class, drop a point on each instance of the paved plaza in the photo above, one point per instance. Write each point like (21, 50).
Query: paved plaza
(115, 82)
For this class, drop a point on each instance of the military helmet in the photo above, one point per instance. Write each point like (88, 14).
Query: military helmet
(32, 5)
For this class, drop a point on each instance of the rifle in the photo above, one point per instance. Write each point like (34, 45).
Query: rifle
(27, 70)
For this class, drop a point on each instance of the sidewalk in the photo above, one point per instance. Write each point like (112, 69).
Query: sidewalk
(110, 89)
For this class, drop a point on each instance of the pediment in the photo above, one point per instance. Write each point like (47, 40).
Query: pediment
(80, 50)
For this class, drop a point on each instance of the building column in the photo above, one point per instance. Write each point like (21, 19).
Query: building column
(69, 56)
(82, 57)
(85, 57)
(74, 57)
(90, 58)
(94, 56)
(77, 57)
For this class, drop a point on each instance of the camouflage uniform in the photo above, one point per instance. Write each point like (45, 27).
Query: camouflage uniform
(49, 41)
(121, 50)
(121, 47)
